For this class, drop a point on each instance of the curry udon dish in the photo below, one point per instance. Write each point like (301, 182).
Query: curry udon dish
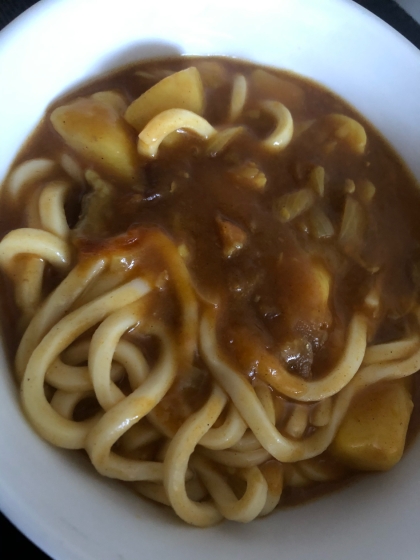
(211, 272)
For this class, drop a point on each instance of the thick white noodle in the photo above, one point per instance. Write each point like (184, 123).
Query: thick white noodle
(391, 351)
(238, 459)
(166, 122)
(31, 241)
(51, 208)
(201, 514)
(54, 308)
(138, 436)
(247, 443)
(31, 209)
(265, 395)
(244, 509)
(28, 173)
(50, 425)
(28, 279)
(64, 403)
(280, 138)
(299, 389)
(75, 378)
(249, 406)
(226, 435)
(126, 413)
(102, 349)
(321, 413)
(298, 421)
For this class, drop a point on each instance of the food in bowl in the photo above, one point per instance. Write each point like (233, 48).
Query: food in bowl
(214, 272)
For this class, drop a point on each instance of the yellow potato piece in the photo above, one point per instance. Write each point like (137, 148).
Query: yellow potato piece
(94, 127)
(182, 90)
(372, 434)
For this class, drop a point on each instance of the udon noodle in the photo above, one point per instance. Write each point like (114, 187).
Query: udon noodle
(213, 279)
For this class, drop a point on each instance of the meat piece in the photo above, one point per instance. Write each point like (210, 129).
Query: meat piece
(232, 236)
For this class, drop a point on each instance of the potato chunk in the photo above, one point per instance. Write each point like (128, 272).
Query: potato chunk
(94, 127)
(372, 434)
(182, 90)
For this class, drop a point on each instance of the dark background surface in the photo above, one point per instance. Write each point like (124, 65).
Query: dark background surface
(12, 542)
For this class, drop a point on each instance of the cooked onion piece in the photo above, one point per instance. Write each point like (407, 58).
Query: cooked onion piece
(291, 205)
(366, 191)
(317, 180)
(319, 224)
(353, 226)
(238, 99)
(220, 141)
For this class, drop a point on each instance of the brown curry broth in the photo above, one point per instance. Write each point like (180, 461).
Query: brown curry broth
(185, 190)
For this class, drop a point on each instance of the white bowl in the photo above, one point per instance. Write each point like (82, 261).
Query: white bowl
(52, 495)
